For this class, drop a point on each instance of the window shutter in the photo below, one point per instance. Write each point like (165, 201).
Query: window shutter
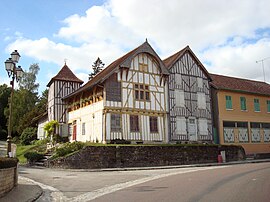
(179, 98)
(228, 102)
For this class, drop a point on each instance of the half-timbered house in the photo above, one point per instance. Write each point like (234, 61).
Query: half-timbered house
(128, 100)
(61, 85)
(190, 101)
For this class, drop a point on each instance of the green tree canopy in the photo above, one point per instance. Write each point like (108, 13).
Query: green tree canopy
(4, 97)
(24, 100)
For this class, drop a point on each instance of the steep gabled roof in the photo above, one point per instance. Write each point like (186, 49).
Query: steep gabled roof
(171, 60)
(240, 85)
(65, 74)
(125, 62)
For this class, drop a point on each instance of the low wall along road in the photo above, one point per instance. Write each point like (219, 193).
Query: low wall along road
(93, 157)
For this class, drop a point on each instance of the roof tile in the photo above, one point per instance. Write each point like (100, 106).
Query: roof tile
(65, 74)
(239, 84)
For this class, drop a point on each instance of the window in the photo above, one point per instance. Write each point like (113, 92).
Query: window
(83, 128)
(142, 92)
(203, 126)
(256, 105)
(115, 122)
(134, 123)
(268, 105)
(153, 124)
(243, 103)
(228, 102)
(181, 126)
(200, 82)
(179, 98)
(228, 124)
(178, 80)
(201, 100)
(143, 67)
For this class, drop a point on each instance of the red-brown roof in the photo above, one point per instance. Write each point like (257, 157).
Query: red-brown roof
(171, 60)
(65, 74)
(240, 85)
(123, 61)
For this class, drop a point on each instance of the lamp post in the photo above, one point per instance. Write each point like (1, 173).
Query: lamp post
(15, 73)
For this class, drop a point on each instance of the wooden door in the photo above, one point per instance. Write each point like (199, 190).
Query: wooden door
(74, 133)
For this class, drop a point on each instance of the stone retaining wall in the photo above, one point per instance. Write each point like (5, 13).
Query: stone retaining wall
(93, 157)
(8, 179)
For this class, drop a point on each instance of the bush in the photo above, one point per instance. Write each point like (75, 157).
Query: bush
(28, 135)
(33, 156)
(16, 140)
(3, 134)
(58, 139)
(68, 148)
(41, 142)
(8, 162)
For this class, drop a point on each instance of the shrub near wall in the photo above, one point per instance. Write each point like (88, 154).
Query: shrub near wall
(8, 174)
(144, 156)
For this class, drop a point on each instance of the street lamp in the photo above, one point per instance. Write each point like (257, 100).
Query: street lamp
(15, 73)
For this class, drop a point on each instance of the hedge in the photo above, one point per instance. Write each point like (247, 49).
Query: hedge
(8, 162)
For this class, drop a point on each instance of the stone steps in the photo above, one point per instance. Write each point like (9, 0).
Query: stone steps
(42, 162)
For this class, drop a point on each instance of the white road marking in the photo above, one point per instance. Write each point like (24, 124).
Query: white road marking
(107, 190)
(49, 193)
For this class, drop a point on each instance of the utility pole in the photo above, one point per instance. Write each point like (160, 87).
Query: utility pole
(262, 61)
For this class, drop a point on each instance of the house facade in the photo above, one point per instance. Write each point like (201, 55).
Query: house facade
(128, 100)
(189, 98)
(242, 112)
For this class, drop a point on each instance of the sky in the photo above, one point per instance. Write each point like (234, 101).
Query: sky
(228, 36)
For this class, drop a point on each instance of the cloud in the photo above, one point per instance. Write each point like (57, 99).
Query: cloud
(240, 60)
(227, 36)
(78, 58)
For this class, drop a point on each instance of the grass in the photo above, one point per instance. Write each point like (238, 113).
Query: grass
(22, 149)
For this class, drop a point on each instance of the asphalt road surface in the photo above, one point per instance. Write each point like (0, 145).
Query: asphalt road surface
(244, 182)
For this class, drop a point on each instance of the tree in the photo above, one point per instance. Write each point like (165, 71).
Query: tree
(97, 67)
(40, 108)
(4, 97)
(26, 98)
(50, 128)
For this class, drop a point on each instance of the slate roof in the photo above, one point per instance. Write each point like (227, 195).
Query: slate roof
(240, 85)
(171, 60)
(124, 62)
(65, 74)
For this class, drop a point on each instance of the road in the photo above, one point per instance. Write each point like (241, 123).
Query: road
(244, 182)
(3, 148)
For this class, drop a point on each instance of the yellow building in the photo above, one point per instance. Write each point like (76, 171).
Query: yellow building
(241, 110)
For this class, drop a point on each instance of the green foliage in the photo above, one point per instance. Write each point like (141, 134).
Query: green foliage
(8, 162)
(22, 149)
(97, 67)
(25, 99)
(68, 148)
(33, 156)
(3, 134)
(16, 140)
(58, 139)
(50, 127)
(28, 135)
(41, 142)
(4, 97)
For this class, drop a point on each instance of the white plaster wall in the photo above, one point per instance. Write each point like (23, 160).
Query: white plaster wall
(91, 115)
(40, 132)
